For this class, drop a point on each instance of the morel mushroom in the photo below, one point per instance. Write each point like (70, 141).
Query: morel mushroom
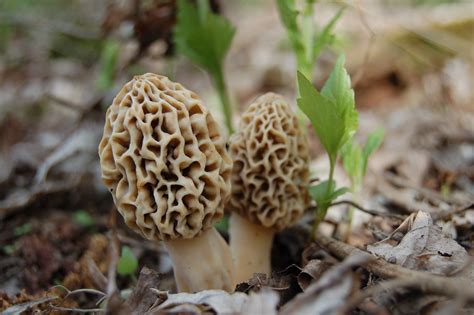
(164, 160)
(269, 182)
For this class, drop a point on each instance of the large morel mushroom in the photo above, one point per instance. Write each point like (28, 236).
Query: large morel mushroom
(269, 182)
(164, 160)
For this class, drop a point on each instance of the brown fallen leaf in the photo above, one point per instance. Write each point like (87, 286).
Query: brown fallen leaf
(142, 297)
(313, 270)
(262, 302)
(424, 247)
(329, 294)
(219, 301)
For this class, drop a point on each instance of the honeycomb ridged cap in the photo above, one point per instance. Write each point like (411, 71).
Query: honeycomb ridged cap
(163, 158)
(270, 173)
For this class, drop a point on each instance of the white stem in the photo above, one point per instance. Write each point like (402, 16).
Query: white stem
(201, 263)
(251, 246)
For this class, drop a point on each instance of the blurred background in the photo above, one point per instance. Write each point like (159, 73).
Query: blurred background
(62, 62)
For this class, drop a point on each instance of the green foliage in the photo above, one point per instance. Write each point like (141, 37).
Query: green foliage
(223, 224)
(334, 118)
(307, 44)
(332, 111)
(128, 263)
(22, 229)
(205, 38)
(83, 218)
(202, 36)
(108, 62)
(355, 157)
(320, 194)
(10, 248)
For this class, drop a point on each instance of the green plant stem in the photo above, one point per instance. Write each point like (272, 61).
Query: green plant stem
(203, 9)
(221, 88)
(322, 209)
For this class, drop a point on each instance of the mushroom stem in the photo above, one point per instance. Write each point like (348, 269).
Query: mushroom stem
(201, 263)
(251, 246)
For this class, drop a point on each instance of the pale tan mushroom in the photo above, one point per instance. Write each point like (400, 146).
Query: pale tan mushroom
(164, 160)
(269, 182)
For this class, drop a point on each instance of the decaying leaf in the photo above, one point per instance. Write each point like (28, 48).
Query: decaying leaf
(329, 293)
(27, 306)
(424, 247)
(263, 302)
(219, 301)
(311, 272)
(142, 297)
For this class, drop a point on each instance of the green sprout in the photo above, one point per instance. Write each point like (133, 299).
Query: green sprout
(355, 159)
(22, 229)
(128, 263)
(83, 218)
(305, 41)
(205, 38)
(334, 119)
(108, 64)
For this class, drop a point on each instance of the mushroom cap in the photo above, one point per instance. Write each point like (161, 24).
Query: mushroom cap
(270, 173)
(163, 158)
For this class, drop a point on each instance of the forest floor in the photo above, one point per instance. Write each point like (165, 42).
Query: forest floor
(412, 240)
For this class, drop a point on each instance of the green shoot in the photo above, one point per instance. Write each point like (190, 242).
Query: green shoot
(108, 63)
(355, 160)
(83, 218)
(22, 229)
(355, 157)
(334, 119)
(306, 42)
(205, 38)
(128, 263)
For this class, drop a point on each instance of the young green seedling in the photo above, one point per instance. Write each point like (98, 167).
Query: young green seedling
(205, 38)
(306, 43)
(355, 160)
(334, 118)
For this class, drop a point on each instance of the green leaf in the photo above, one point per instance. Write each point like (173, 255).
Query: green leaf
(339, 192)
(321, 193)
(325, 37)
(223, 224)
(127, 263)
(374, 140)
(22, 229)
(83, 218)
(352, 159)
(202, 36)
(288, 16)
(331, 112)
(324, 195)
(108, 61)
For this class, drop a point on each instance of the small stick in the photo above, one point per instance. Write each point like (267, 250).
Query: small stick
(369, 211)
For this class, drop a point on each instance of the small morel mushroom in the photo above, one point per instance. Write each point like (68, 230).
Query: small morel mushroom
(269, 182)
(164, 160)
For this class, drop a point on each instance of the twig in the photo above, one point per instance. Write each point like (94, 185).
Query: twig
(369, 211)
(78, 310)
(389, 285)
(446, 214)
(428, 193)
(424, 281)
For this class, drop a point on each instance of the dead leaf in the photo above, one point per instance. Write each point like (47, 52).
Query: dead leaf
(24, 307)
(142, 297)
(329, 293)
(220, 301)
(311, 272)
(424, 247)
(262, 302)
